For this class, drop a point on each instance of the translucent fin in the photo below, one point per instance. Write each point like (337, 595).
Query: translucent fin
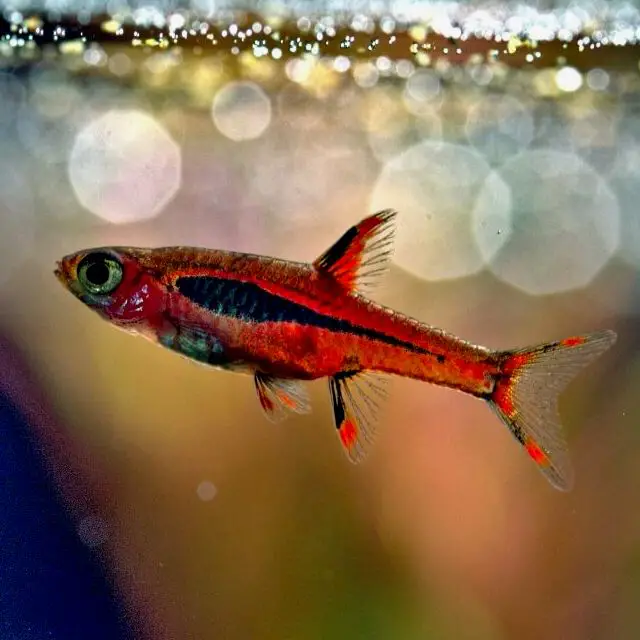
(356, 399)
(193, 342)
(526, 398)
(360, 258)
(278, 396)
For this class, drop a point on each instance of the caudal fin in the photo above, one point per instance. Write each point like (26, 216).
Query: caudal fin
(526, 398)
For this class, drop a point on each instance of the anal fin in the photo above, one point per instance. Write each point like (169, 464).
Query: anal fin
(356, 399)
(278, 396)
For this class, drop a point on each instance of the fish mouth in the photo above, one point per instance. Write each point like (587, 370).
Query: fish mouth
(59, 273)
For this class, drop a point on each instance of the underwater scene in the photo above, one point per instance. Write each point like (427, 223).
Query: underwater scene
(393, 230)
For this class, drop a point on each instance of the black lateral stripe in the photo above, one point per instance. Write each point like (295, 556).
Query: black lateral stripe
(247, 301)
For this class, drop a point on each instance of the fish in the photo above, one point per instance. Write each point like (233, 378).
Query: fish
(286, 323)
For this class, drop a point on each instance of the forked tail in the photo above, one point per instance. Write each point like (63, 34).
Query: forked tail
(526, 397)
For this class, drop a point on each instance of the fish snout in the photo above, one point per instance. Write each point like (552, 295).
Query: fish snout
(61, 272)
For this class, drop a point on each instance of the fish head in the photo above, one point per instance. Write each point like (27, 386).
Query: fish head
(115, 282)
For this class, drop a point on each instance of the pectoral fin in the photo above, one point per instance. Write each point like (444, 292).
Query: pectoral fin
(278, 396)
(194, 342)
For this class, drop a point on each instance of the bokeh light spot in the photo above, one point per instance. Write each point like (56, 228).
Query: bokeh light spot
(93, 531)
(44, 125)
(499, 127)
(565, 223)
(120, 64)
(598, 79)
(124, 166)
(422, 90)
(241, 111)
(438, 188)
(206, 491)
(625, 179)
(491, 219)
(13, 97)
(568, 79)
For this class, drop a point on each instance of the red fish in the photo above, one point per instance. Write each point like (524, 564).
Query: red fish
(287, 322)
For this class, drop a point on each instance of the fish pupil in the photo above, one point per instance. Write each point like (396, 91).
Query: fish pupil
(98, 273)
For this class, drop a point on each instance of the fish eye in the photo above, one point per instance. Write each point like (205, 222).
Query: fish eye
(99, 273)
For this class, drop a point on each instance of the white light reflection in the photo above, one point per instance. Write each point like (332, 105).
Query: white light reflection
(241, 111)
(438, 189)
(298, 70)
(565, 223)
(568, 79)
(124, 166)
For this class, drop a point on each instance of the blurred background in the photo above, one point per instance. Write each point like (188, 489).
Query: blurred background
(145, 496)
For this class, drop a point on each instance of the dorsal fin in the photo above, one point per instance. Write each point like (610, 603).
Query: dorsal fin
(361, 256)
